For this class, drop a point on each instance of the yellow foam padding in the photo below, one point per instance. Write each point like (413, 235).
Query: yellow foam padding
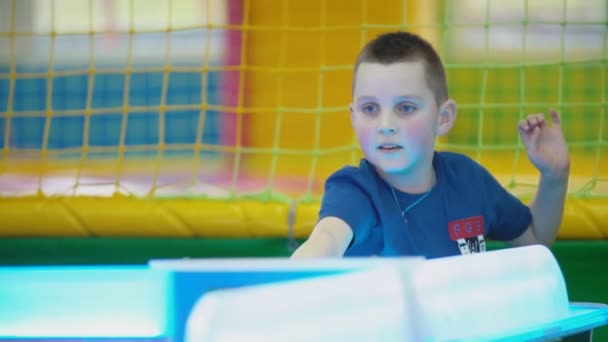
(585, 219)
(129, 216)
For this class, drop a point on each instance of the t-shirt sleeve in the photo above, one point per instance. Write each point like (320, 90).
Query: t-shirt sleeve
(346, 199)
(509, 216)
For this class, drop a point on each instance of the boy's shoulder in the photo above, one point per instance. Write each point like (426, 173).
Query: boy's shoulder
(455, 158)
(457, 162)
(351, 187)
(353, 174)
(462, 171)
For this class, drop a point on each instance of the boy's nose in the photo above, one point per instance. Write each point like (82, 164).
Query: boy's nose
(388, 130)
(387, 126)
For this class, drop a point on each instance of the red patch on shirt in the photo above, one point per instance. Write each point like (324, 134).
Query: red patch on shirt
(466, 228)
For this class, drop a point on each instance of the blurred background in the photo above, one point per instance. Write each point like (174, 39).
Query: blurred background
(138, 129)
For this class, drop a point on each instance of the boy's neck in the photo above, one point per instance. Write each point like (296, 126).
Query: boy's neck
(418, 183)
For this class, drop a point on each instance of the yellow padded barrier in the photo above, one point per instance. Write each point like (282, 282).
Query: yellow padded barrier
(136, 217)
(585, 219)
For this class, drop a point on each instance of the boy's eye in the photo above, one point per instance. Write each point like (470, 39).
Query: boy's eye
(369, 108)
(406, 107)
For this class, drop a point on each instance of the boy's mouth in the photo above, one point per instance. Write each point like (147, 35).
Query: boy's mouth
(390, 147)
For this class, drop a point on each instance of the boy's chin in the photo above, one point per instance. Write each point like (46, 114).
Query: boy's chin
(394, 170)
(391, 167)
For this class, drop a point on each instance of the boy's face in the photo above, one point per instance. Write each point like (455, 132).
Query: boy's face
(395, 116)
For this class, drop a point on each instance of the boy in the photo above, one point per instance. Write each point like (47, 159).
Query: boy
(407, 199)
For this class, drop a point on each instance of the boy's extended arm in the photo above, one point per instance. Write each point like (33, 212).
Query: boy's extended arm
(330, 238)
(548, 151)
(547, 210)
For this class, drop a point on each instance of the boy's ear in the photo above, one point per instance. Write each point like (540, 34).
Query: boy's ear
(446, 117)
(352, 112)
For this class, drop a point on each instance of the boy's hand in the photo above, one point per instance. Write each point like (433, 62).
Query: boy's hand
(546, 145)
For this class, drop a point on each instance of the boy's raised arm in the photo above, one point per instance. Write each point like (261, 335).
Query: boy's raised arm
(548, 151)
(330, 238)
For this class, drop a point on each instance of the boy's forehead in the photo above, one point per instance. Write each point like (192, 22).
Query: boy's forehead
(401, 77)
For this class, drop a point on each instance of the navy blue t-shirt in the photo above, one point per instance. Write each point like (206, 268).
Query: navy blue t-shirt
(465, 206)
